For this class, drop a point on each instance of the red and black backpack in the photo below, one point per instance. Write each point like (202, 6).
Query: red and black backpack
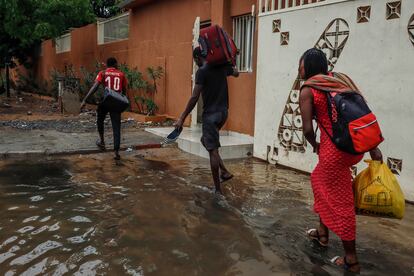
(217, 46)
(355, 128)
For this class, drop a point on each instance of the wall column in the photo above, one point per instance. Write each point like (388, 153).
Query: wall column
(220, 14)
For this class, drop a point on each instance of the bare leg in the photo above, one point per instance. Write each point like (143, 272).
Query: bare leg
(321, 234)
(224, 173)
(351, 257)
(215, 169)
(323, 231)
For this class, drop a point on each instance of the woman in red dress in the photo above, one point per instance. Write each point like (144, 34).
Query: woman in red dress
(331, 179)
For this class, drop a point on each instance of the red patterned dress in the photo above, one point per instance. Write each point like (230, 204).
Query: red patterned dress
(332, 178)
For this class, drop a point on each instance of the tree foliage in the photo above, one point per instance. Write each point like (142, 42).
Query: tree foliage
(25, 23)
(105, 8)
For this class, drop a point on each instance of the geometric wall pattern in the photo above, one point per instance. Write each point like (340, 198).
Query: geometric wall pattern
(410, 28)
(284, 38)
(393, 10)
(332, 42)
(395, 165)
(363, 14)
(354, 171)
(277, 25)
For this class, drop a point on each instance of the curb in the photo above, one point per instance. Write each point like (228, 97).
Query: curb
(45, 153)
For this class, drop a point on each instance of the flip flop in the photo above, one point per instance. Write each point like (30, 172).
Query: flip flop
(224, 179)
(173, 136)
(317, 237)
(347, 266)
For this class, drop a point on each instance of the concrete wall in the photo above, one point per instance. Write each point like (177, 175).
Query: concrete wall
(161, 35)
(84, 52)
(378, 56)
(242, 92)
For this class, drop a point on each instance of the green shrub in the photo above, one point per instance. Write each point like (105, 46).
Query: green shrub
(87, 80)
(141, 90)
(154, 74)
(28, 83)
(134, 77)
(145, 89)
(151, 107)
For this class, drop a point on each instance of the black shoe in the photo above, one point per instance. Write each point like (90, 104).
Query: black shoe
(117, 156)
(100, 145)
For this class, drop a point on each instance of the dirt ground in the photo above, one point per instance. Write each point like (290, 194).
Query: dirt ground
(33, 125)
(31, 111)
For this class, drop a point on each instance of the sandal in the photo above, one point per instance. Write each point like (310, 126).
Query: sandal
(317, 237)
(347, 266)
(224, 179)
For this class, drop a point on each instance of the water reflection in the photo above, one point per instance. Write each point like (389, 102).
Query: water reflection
(86, 215)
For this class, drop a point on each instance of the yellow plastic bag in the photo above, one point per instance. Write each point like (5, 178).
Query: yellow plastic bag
(377, 192)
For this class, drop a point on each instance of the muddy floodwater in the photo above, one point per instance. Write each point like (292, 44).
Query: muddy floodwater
(154, 213)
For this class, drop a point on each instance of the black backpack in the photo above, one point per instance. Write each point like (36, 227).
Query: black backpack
(355, 128)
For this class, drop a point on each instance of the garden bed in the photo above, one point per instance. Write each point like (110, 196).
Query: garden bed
(144, 118)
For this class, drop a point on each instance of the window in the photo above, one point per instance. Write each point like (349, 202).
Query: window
(113, 29)
(243, 35)
(63, 43)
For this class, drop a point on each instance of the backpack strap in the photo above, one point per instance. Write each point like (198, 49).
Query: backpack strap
(204, 46)
(331, 107)
(324, 129)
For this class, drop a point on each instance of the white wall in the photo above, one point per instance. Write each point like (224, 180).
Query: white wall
(378, 56)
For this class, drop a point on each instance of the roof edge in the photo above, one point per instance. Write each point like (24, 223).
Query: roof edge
(131, 4)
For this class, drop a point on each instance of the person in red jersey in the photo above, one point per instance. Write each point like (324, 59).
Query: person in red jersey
(113, 79)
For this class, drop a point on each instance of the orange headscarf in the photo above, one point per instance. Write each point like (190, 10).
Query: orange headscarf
(335, 82)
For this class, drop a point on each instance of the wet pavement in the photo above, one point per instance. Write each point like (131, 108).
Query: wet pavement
(153, 213)
(39, 143)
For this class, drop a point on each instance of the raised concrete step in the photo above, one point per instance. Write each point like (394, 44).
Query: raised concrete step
(233, 145)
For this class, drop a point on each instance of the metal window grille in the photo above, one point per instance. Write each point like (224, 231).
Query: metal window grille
(63, 43)
(272, 5)
(243, 35)
(113, 29)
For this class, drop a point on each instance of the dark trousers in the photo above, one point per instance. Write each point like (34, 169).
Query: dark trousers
(212, 123)
(116, 124)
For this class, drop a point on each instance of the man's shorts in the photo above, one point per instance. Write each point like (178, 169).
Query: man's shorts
(212, 123)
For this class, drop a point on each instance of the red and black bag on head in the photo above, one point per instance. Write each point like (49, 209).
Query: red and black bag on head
(355, 128)
(217, 46)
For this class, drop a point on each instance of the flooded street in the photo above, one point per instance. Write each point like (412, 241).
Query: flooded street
(154, 213)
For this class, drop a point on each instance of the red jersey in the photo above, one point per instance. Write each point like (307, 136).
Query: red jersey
(113, 79)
